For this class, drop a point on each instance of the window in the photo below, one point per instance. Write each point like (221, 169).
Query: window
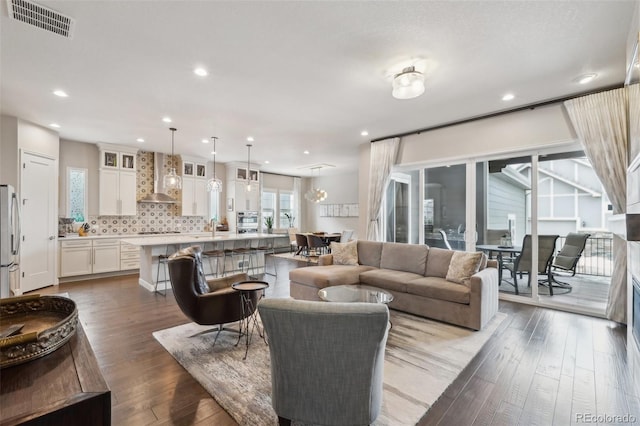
(278, 204)
(77, 193)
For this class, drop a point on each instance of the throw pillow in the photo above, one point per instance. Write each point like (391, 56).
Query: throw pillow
(463, 265)
(345, 253)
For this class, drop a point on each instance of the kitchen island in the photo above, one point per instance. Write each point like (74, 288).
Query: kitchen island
(153, 246)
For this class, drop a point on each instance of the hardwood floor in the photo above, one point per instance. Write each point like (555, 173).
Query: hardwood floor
(541, 367)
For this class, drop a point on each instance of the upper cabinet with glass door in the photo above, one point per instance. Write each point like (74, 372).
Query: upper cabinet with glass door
(117, 158)
(196, 168)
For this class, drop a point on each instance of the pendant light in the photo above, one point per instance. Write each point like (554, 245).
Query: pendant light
(249, 167)
(315, 195)
(172, 180)
(214, 184)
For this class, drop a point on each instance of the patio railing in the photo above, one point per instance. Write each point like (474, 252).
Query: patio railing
(597, 258)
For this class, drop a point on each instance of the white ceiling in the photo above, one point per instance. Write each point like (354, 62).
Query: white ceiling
(297, 75)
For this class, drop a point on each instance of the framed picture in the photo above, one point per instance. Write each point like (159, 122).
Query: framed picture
(229, 204)
(201, 170)
(188, 169)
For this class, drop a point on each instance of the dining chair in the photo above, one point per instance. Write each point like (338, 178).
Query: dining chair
(317, 244)
(346, 235)
(303, 244)
(523, 264)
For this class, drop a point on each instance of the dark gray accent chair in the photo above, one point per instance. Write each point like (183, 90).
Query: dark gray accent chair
(569, 255)
(327, 360)
(523, 263)
(205, 302)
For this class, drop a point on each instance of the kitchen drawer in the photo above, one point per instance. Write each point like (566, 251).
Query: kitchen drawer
(129, 264)
(103, 243)
(75, 244)
(128, 248)
(129, 255)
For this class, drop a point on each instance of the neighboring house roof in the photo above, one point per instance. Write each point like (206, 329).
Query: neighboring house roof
(561, 179)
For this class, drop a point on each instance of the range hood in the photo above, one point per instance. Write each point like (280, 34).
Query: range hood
(158, 195)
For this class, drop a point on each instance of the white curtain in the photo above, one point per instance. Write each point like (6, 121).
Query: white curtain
(601, 123)
(383, 157)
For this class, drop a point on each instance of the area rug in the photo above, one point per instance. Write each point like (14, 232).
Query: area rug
(423, 357)
(292, 256)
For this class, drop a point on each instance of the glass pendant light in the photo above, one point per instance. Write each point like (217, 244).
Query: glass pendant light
(214, 184)
(249, 167)
(172, 180)
(315, 195)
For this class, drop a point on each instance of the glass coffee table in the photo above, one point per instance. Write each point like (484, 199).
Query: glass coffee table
(355, 293)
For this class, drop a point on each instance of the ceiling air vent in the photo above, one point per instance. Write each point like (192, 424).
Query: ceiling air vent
(41, 17)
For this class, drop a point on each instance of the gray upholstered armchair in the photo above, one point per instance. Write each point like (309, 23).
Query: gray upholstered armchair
(326, 360)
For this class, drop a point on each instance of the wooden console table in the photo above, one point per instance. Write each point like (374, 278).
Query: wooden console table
(65, 387)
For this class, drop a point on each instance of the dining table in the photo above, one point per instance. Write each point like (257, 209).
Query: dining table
(500, 252)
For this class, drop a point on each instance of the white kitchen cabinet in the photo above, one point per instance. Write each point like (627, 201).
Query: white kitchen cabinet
(84, 257)
(117, 193)
(129, 256)
(247, 200)
(195, 198)
(75, 258)
(106, 256)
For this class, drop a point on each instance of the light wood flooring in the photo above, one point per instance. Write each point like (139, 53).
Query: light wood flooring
(541, 367)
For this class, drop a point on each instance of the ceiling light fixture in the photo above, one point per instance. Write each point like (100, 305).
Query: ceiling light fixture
(408, 84)
(508, 97)
(214, 184)
(166, 119)
(206, 140)
(60, 93)
(306, 152)
(55, 125)
(315, 195)
(140, 140)
(249, 166)
(266, 161)
(364, 133)
(172, 180)
(250, 139)
(200, 72)
(585, 78)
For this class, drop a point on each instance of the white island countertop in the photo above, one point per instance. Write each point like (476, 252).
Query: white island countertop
(163, 240)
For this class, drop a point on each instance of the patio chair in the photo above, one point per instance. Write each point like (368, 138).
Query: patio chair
(569, 255)
(445, 240)
(522, 263)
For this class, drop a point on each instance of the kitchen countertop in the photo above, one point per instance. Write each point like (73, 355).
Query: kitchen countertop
(164, 239)
(127, 236)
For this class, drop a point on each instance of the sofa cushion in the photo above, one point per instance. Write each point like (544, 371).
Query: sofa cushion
(345, 253)
(462, 266)
(325, 276)
(438, 288)
(404, 257)
(369, 253)
(438, 262)
(388, 279)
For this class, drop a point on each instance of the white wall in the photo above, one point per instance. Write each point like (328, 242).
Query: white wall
(341, 189)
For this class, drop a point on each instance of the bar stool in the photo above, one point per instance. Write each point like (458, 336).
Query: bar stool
(214, 250)
(163, 260)
(265, 246)
(239, 249)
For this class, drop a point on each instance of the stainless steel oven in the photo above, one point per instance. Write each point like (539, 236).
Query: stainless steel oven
(248, 222)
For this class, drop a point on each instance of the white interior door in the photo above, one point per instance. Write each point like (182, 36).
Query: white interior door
(38, 194)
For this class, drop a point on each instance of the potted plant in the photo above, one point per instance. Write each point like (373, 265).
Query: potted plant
(268, 221)
(291, 219)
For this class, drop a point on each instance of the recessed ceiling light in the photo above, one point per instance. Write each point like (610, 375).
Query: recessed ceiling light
(364, 133)
(585, 78)
(60, 93)
(508, 97)
(205, 140)
(201, 72)
(250, 139)
(305, 152)
(637, 64)
(266, 161)
(56, 125)
(139, 140)
(166, 119)
(213, 153)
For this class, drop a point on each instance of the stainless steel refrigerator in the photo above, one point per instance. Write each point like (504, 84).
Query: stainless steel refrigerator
(9, 239)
